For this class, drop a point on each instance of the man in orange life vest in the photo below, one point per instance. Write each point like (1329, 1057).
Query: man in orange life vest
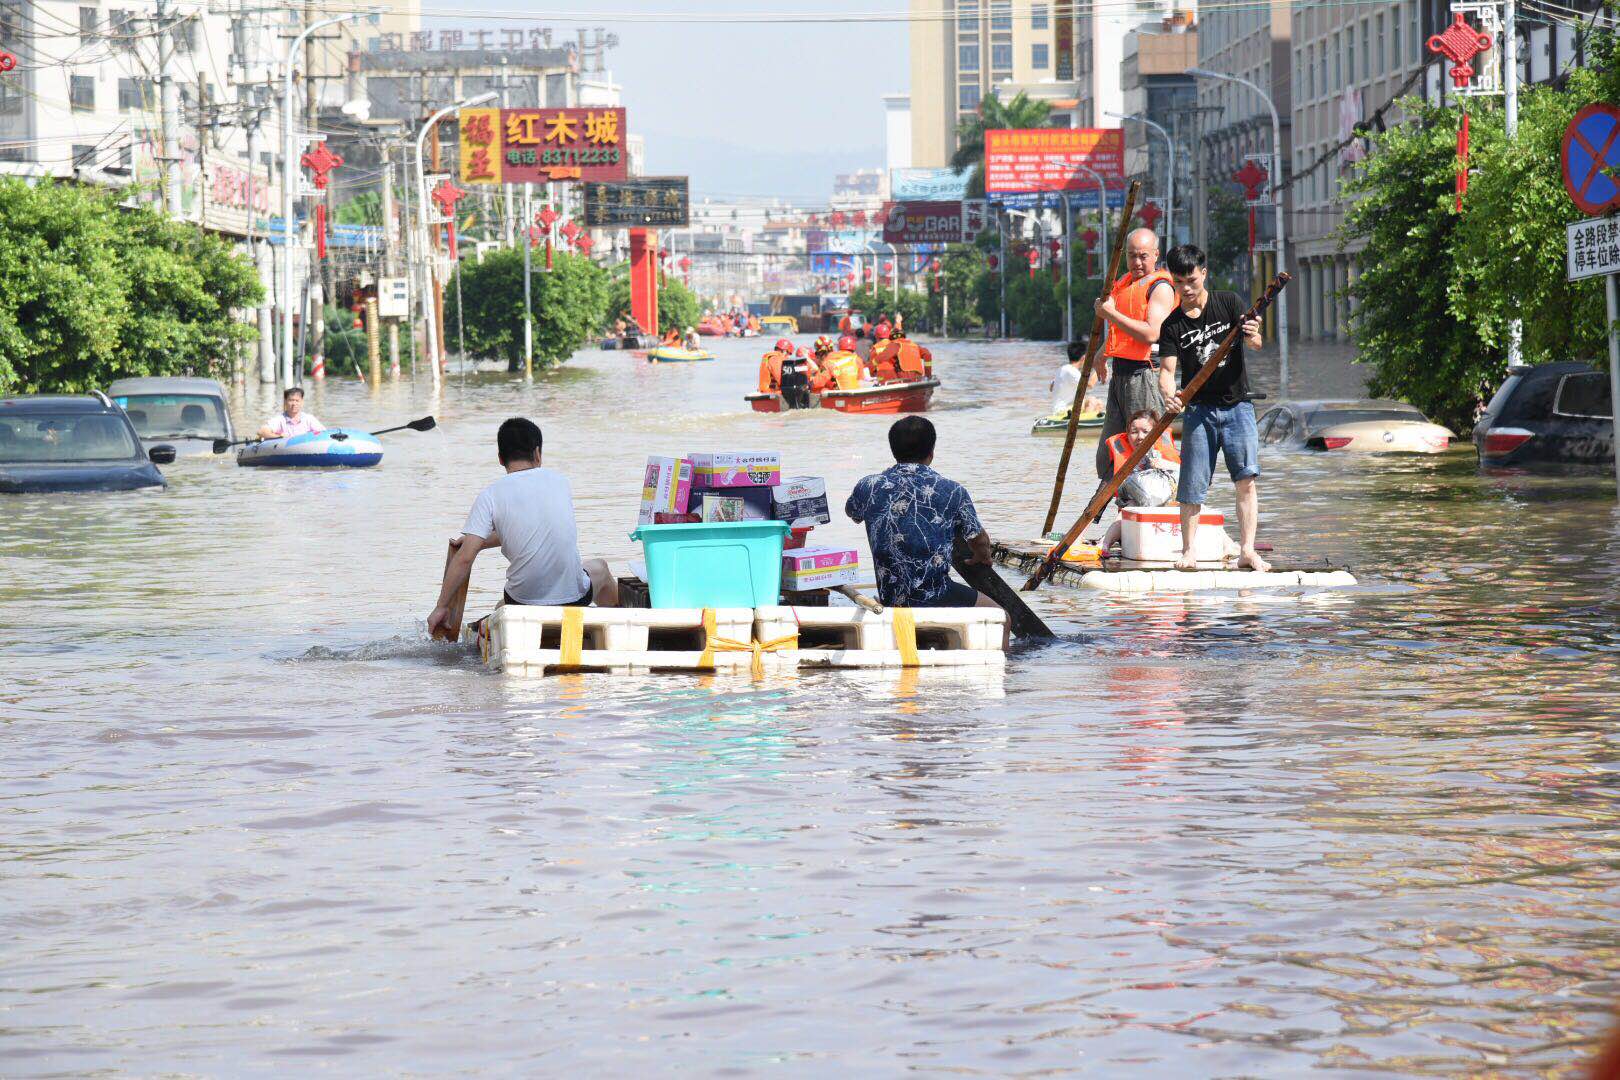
(1134, 309)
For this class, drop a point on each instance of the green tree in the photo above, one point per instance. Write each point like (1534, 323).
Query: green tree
(91, 292)
(345, 344)
(364, 209)
(677, 307)
(875, 303)
(1228, 238)
(570, 303)
(993, 114)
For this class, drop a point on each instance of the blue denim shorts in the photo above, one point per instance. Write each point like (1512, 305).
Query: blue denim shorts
(1206, 429)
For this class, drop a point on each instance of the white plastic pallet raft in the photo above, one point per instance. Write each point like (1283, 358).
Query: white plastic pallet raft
(522, 640)
(1168, 580)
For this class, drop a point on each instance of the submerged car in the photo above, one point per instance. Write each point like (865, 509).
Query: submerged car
(1549, 414)
(63, 443)
(188, 414)
(1377, 426)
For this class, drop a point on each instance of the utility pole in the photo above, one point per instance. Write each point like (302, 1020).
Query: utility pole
(390, 251)
(316, 312)
(169, 106)
(1510, 110)
(528, 305)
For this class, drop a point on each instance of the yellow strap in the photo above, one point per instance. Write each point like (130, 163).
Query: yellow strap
(713, 643)
(573, 637)
(483, 638)
(905, 636)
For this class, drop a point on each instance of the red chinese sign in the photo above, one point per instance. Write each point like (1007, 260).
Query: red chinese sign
(1047, 159)
(515, 146)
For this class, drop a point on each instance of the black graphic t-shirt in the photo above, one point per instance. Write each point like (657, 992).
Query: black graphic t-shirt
(1195, 340)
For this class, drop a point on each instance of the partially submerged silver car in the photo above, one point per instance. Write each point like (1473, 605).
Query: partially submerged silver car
(187, 414)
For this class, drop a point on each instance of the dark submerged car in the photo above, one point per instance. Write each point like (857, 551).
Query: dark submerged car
(1549, 415)
(60, 443)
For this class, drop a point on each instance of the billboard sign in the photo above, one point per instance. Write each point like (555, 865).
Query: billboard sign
(927, 184)
(1046, 159)
(923, 223)
(830, 265)
(643, 201)
(516, 146)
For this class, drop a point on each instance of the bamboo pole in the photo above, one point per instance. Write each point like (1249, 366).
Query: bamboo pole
(1097, 337)
(1111, 485)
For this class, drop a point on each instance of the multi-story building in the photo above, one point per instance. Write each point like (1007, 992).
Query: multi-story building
(964, 50)
(1351, 67)
(1234, 122)
(1154, 84)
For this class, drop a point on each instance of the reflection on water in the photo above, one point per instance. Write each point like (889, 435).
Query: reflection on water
(254, 816)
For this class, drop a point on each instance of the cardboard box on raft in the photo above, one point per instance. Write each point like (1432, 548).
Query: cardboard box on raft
(757, 468)
(820, 568)
(756, 499)
(666, 488)
(801, 502)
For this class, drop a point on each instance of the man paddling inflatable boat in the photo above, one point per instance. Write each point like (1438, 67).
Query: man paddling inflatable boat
(292, 420)
(529, 514)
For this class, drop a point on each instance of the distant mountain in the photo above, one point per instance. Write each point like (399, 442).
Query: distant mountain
(720, 168)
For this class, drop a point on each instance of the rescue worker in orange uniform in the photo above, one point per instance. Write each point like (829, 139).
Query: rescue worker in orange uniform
(821, 376)
(770, 367)
(885, 350)
(1135, 308)
(907, 356)
(843, 366)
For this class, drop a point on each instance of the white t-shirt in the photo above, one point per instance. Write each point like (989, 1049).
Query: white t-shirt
(286, 427)
(532, 511)
(1064, 386)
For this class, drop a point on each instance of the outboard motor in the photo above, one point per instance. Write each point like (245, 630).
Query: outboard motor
(795, 383)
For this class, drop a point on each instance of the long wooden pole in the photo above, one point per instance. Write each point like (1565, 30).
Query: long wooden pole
(1097, 335)
(1106, 491)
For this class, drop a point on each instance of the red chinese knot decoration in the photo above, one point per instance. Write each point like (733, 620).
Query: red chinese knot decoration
(320, 161)
(1253, 178)
(446, 195)
(1150, 215)
(1460, 43)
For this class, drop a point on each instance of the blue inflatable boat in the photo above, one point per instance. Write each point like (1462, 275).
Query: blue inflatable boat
(333, 448)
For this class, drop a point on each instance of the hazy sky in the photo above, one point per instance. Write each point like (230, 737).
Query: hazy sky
(747, 108)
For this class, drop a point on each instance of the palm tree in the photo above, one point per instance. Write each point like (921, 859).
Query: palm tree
(1020, 112)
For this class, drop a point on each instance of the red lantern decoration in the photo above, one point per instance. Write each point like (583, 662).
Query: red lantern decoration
(446, 195)
(320, 161)
(686, 269)
(837, 218)
(1054, 247)
(1089, 238)
(1150, 215)
(1460, 43)
(584, 243)
(547, 217)
(1253, 178)
(860, 217)
(993, 262)
(1034, 258)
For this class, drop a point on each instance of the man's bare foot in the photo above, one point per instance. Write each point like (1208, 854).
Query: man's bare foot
(1186, 562)
(1252, 559)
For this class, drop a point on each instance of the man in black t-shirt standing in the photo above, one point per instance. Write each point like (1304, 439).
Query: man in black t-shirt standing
(1220, 417)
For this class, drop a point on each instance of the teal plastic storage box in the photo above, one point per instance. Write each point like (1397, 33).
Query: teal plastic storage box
(713, 563)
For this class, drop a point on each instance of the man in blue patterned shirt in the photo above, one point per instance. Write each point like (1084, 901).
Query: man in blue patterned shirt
(913, 516)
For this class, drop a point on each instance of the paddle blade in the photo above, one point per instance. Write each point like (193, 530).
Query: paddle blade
(427, 423)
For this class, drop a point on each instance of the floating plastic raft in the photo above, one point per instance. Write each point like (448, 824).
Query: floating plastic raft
(332, 448)
(666, 354)
(523, 640)
(1121, 576)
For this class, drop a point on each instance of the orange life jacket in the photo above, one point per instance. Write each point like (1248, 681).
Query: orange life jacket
(908, 357)
(1131, 298)
(1119, 450)
(885, 360)
(770, 372)
(845, 368)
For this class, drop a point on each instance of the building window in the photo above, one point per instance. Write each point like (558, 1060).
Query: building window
(126, 157)
(185, 36)
(84, 156)
(1366, 52)
(82, 93)
(1001, 57)
(1038, 18)
(1001, 14)
(967, 58)
(1338, 66)
(1310, 72)
(121, 27)
(967, 20)
(967, 97)
(89, 20)
(1040, 55)
(1383, 64)
(1350, 55)
(129, 95)
(1396, 58)
(1417, 34)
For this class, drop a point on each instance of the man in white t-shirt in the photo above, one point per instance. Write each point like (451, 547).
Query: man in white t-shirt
(529, 514)
(292, 420)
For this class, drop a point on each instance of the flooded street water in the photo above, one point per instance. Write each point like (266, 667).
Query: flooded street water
(255, 823)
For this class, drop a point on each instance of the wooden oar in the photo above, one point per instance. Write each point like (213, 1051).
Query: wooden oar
(1024, 622)
(451, 628)
(427, 423)
(1098, 325)
(1106, 491)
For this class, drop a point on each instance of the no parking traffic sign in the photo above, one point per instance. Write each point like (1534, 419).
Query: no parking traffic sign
(1591, 159)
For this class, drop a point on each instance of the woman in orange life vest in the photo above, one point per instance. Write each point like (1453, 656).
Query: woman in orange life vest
(672, 337)
(1153, 483)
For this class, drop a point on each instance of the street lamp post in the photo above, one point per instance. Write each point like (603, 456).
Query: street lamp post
(1277, 167)
(288, 179)
(422, 210)
(1170, 174)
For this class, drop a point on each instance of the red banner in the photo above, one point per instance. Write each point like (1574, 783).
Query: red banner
(514, 146)
(1045, 159)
